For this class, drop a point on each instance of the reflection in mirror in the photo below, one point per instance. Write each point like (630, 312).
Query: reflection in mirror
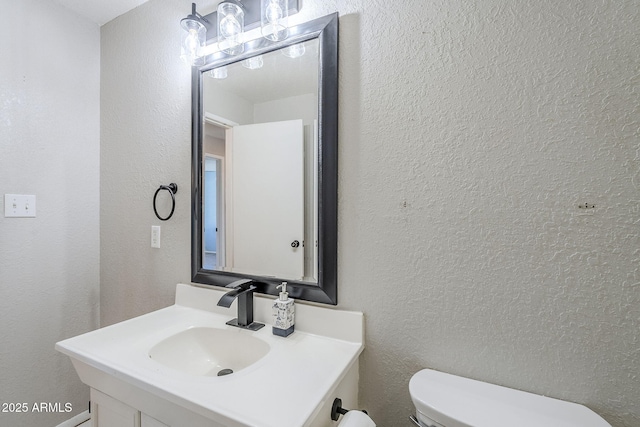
(265, 164)
(260, 153)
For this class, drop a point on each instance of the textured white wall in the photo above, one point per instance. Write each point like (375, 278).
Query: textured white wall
(491, 122)
(145, 139)
(49, 146)
(227, 104)
(303, 107)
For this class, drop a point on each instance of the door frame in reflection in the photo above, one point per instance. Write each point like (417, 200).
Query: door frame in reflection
(214, 196)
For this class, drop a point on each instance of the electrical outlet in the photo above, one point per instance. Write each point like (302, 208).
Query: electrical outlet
(19, 206)
(155, 236)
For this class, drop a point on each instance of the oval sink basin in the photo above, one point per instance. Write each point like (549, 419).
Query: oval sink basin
(209, 351)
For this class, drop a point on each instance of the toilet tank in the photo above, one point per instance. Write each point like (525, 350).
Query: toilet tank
(453, 401)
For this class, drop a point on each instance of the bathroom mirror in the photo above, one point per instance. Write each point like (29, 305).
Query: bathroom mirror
(264, 164)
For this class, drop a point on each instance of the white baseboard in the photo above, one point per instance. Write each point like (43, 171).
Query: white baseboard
(77, 420)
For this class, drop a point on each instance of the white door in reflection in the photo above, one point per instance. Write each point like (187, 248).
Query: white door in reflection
(213, 204)
(267, 199)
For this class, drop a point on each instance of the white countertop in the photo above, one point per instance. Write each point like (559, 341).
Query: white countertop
(283, 389)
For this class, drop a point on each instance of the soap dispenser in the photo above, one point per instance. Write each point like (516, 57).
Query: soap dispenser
(283, 313)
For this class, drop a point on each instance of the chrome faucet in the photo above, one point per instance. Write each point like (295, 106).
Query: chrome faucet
(243, 290)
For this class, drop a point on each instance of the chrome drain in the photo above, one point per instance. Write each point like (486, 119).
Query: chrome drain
(225, 372)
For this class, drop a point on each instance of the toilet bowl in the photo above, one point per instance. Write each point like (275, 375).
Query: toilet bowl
(445, 400)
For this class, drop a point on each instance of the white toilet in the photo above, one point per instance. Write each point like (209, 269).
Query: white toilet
(444, 400)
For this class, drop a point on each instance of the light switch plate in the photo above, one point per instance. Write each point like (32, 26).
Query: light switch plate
(19, 206)
(155, 236)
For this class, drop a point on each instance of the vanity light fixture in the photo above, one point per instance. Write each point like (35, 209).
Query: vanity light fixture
(275, 19)
(253, 63)
(219, 73)
(231, 26)
(294, 51)
(194, 37)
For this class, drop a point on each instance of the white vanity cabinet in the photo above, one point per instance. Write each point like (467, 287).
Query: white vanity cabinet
(147, 421)
(142, 409)
(109, 412)
(293, 384)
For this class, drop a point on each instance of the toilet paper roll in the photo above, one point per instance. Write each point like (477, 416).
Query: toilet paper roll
(356, 419)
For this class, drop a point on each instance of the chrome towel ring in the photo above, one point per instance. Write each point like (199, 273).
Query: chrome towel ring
(172, 189)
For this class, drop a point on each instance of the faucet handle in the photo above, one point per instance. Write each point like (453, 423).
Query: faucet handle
(243, 284)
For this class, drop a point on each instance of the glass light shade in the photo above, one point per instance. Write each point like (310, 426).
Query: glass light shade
(253, 63)
(230, 28)
(194, 39)
(294, 51)
(219, 73)
(275, 19)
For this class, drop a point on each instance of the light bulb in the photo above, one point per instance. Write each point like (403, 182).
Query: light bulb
(253, 63)
(230, 28)
(191, 43)
(219, 73)
(193, 40)
(273, 12)
(294, 51)
(274, 17)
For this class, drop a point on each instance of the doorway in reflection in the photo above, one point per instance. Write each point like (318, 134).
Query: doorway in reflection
(213, 207)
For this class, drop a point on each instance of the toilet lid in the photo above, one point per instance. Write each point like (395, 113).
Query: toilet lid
(461, 402)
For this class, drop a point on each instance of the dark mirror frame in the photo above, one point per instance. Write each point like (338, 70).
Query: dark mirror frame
(325, 29)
